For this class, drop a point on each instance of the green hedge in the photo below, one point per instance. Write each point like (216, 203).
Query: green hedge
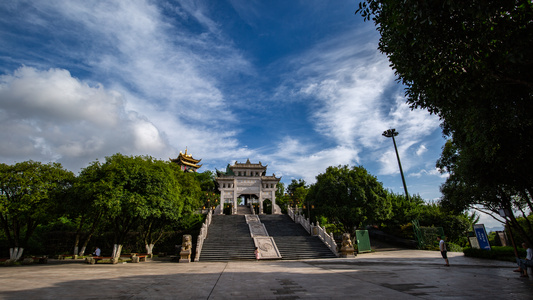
(496, 253)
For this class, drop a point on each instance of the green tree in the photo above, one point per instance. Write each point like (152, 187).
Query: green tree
(282, 199)
(349, 198)
(297, 191)
(140, 192)
(191, 191)
(403, 210)
(462, 191)
(28, 194)
(471, 63)
(90, 199)
(164, 201)
(207, 181)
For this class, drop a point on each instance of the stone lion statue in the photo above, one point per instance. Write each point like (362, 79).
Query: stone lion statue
(346, 241)
(187, 243)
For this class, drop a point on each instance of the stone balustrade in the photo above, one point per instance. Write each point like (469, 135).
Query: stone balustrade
(203, 234)
(315, 230)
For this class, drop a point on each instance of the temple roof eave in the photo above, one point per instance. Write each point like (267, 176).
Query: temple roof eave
(190, 164)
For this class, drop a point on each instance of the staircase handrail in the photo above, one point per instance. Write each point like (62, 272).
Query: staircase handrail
(327, 238)
(290, 212)
(203, 235)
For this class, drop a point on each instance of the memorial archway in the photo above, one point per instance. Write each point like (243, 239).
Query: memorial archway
(247, 184)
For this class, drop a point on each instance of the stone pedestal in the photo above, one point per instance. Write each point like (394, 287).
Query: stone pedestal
(185, 256)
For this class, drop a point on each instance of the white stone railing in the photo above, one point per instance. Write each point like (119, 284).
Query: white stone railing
(203, 235)
(326, 238)
(315, 230)
(290, 212)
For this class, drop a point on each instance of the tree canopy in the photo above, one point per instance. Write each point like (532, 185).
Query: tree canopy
(28, 198)
(471, 63)
(349, 197)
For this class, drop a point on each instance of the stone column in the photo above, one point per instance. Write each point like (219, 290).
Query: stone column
(261, 198)
(273, 202)
(222, 194)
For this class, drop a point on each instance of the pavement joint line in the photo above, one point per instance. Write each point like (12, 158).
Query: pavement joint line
(215, 285)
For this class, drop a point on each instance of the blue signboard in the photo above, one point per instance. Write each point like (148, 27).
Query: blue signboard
(481, 235)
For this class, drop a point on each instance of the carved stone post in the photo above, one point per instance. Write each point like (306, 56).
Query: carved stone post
(186, 248)
(347, 249)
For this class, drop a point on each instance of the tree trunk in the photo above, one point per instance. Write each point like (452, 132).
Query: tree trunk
(149, 248)
(117, 249)
(15, 253)
(78, 235)
(90, 234)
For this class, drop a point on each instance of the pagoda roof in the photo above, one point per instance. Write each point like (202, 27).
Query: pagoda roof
(186, 159)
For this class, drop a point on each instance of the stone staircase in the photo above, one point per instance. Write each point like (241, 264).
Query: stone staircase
(292, 240)
(228, 238)
(243, 210)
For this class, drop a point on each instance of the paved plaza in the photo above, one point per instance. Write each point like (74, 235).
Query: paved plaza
(402, 274)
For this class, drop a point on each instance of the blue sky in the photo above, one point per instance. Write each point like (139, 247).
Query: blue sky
(297, 85)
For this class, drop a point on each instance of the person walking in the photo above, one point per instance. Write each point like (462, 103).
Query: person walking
(443, 250)
(256, 252)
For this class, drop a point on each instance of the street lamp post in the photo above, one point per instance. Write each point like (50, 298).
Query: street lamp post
(392, 133)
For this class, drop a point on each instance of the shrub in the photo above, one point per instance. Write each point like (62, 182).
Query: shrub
(496, 253)
(454, 247)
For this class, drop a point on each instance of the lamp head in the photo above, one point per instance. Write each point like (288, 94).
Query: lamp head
(390, 133)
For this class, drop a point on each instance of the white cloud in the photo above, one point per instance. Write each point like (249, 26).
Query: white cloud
(308, 166)
(421, 150)
(51, 116)
(431, 172)
(355, 98)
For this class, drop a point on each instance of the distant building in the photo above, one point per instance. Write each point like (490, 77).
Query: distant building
(248, 182)
(186, 162)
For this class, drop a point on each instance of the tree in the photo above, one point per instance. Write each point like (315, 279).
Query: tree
(462, 191)
(349, 198)
(28, 194)
(207, 181)
(134, 192)
(191, 191)
(403, 210)
(471, 63)
(164, 201)
(297, 190)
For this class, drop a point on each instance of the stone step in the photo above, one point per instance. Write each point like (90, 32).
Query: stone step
(293, 241)
(229, 238)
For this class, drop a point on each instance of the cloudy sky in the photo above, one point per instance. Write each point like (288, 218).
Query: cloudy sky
(297, 85)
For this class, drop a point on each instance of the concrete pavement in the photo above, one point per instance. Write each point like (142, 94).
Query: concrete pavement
(403, 274)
